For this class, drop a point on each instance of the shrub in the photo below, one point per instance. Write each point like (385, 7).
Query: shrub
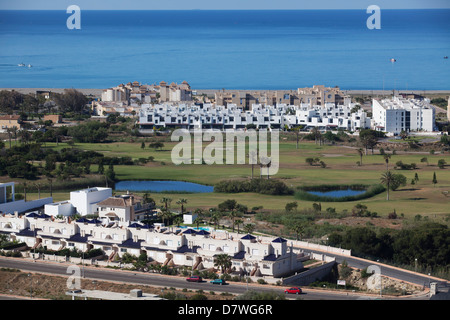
(263, 186)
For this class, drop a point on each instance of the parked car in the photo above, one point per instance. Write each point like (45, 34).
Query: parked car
(218, 281)
(194, 279)
(294, 290)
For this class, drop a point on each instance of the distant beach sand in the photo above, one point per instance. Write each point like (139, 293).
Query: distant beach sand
(98, 92)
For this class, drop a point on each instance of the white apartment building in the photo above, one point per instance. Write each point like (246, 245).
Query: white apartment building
(83, 202)
(399, 114)
(209, 116)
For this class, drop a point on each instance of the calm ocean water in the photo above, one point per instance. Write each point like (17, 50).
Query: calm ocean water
(227, 49)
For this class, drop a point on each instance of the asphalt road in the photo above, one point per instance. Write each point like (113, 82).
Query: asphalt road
(166, 281)
(385, 270)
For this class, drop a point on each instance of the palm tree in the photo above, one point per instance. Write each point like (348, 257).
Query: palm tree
(253, 159)
(387, 178)
(386, 159)
(249, 228)
(299, 229)
(317, 135)
(178, 221)
(165, 214)
(182, 202)
(198, 222)
(238, 222)
(166, 202)
(361, 153)
(223, 261)
(233, 215)
(215, 217)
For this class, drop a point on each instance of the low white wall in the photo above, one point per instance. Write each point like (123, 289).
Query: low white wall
(22, 206)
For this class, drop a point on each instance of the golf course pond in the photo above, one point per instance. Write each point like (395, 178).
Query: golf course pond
(162, 186)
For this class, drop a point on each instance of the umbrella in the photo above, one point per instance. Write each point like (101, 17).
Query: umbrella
(135, 225)
(203, 233)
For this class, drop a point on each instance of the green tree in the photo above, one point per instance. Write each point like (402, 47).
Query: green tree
(298, 228)
(291, 206)
(223, 261)
(434, 181)
(71, 101)
(249, 228)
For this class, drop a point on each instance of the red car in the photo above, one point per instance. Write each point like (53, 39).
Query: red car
(295, 290)
(194, 279)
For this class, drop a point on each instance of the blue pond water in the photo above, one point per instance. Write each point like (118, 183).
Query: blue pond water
(163, 186)
(338, 193)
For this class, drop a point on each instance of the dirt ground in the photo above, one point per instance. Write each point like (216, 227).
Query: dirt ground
(389, 286)
(54, 287)
(363, 221)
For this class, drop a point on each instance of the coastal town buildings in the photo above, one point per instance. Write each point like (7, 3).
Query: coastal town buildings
(10, 122)
(399, 114)
(317, 95)
(126, 99)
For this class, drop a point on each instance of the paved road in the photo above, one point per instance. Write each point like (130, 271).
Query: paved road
(385, 270)
(164, 281)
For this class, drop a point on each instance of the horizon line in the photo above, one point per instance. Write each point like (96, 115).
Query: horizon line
(261, 9)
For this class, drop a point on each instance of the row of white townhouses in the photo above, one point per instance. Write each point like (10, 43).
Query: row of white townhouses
(116, 230)
(210, 116)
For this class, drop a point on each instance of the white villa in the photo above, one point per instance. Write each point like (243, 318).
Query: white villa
(81, 202)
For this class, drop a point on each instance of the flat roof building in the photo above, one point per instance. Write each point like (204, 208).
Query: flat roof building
(399, 114)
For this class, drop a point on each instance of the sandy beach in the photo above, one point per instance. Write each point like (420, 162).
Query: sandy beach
(209, 92)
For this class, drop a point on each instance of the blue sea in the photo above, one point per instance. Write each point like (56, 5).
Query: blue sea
(227, 49)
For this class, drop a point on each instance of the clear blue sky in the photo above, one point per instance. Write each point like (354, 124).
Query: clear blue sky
(218, 5)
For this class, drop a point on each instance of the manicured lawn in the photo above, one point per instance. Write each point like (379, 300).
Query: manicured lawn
(422, 198)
